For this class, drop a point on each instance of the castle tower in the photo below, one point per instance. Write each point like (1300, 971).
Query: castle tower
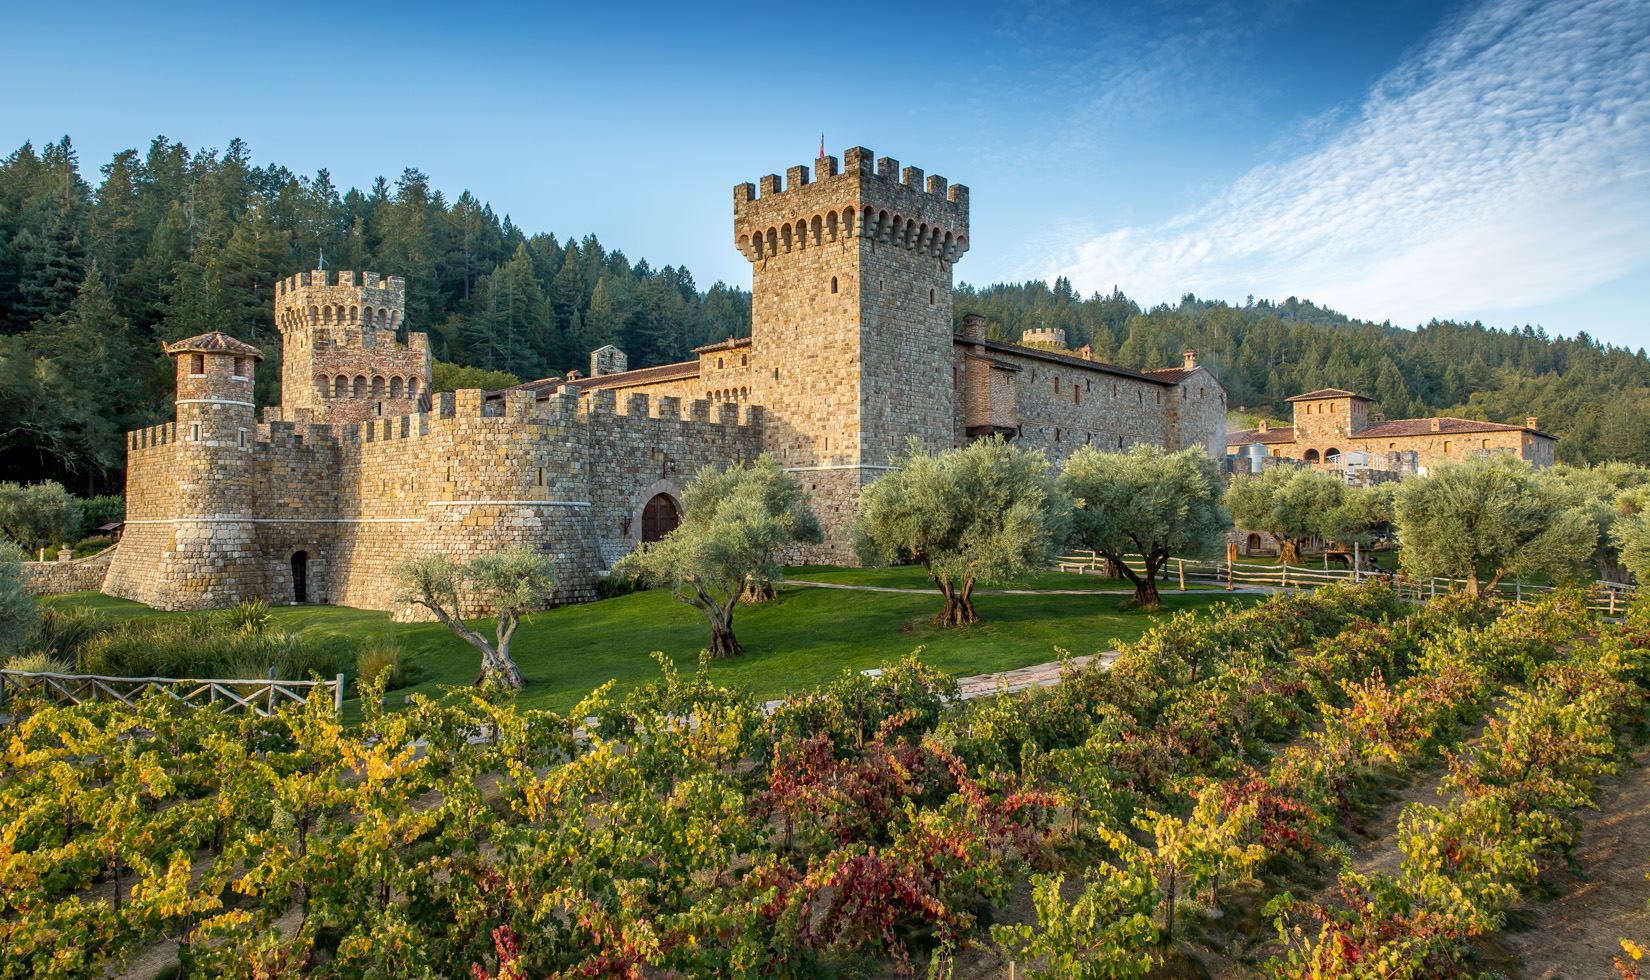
(208, 560)
(340, 359)
(1326, 419)
(851, 318)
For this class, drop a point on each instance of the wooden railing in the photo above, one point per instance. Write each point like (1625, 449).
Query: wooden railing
(1605, 597)
(260, 695)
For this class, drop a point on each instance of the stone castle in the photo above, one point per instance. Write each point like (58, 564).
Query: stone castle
(852, 352)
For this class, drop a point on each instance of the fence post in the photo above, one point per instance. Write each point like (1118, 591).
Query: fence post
(1285, 574)
(1182, 564)
(271, 707)
(1518, 593)
(1433, 582)
(1612, 612)
(338, 695)
(1229, 574)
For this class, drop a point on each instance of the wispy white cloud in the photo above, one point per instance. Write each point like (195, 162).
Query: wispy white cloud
(1505, 164)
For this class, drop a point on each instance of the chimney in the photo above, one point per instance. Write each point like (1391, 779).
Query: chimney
(1263, 425)
(1530, 423)
(573, 375)
(1435, 424)
(974, 327)
(1087, 353)
(1189, 356)
(1378, 417)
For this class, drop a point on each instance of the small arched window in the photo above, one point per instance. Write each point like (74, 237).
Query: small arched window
(197, 363)
(340, 387)
(930, 296)
(240, 367)
(412, 387)
(833, 284)
(378, 386)
(360, 386)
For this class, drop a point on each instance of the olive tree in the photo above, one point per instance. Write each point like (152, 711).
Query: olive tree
(981, 514)
(1630, 532)
(34, 515)
(1146, 502)
(19, 609)
(734, 524)
(511, 583)
(1292, 505)
(1485, 518)
(1607, 494)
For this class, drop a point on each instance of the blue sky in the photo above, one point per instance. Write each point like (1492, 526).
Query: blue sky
(1392, 160)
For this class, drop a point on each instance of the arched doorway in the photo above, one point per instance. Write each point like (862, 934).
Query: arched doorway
(300, 576)
(1311, 455)
(1252, 545)
(659, 518)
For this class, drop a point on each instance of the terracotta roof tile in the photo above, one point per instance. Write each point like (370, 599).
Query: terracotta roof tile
(624, 379)
(1044, 355)
(1243, 437)
(1423, 427)
(1172, 374)
(1328, 393)
(730, 344)
(214, 343)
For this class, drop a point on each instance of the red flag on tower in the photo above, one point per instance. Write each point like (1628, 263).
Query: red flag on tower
(822, 146)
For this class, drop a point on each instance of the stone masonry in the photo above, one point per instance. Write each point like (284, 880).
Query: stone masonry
(1332, 422)
(852, 354)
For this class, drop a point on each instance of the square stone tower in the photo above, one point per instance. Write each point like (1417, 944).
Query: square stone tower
(340, 359)
(851, 319)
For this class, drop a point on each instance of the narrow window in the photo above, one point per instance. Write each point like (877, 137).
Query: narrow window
(240, 367)
(242, 438)
(718, 364)
(1076, 395)
(197, 363)
(833, 284)
(1447, 445)
(776, 374)
(930, 297)
(538, 479)
(194, 432)
(744, 360)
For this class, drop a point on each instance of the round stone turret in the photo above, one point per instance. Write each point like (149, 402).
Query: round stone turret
(209, 562)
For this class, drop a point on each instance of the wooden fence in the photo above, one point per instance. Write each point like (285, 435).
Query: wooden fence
(1605, 597)
(259, 695)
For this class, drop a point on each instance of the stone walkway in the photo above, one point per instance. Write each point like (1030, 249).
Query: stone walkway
(1162, 587)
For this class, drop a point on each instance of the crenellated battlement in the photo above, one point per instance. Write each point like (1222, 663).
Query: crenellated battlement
(366, 308)
(865, 199)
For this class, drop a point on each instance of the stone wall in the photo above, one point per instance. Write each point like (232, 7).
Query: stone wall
(340, 359)
(62, 577)
(466, 479)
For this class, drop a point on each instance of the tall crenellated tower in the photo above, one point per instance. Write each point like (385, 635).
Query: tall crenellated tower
(851, 318)
(209, 556)
(340, 359)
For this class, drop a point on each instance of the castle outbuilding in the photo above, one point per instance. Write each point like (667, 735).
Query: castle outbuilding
(1331, 423)
(852, 353)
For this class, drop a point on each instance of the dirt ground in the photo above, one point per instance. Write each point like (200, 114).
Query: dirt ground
(1574, 936)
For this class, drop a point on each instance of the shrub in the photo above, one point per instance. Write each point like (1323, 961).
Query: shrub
(64, 632)
(39, 663)
(618, 584)
(251, 616)
(203, 645)
(383, 657)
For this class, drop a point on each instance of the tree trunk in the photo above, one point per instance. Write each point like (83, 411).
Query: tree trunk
(758, 590)
(1289, 551)
(722, 641)
(959, 606)
(1145, 584)
(1472, 583)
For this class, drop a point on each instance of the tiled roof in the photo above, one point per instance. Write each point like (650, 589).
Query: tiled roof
(214, 343)
(1423, 427)
(1175, 375)
(624, 379)
(1004, 365)
(1243, 437)
(1313, 396)
(1043, 355)
(729, 344)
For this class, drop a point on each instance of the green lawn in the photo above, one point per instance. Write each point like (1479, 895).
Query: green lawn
(913, 577)
(802, 639)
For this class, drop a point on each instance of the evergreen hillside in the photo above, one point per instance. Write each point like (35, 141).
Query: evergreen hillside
(172, 242)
